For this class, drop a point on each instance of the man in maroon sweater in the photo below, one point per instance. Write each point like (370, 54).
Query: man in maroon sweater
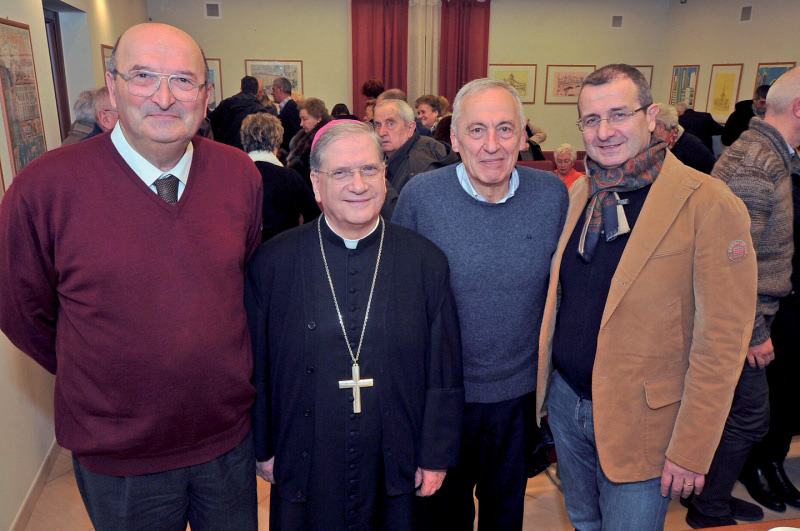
(123, 274)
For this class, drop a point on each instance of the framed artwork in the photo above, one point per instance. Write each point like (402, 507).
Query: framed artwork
(521, 77)
(105, 53)
(268, 70)
(684, 84)
(563, 82)
(767, 73)
(723, 90)
(215, 79)
(20, 95)
(647, 72)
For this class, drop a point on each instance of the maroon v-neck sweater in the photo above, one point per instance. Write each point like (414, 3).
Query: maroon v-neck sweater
(136, 305)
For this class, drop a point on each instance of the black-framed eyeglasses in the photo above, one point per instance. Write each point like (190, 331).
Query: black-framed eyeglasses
(616, 118)
(144, 84)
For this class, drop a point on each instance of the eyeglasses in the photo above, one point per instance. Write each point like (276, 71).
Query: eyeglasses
(616, 118)
(144, 84)
(370, 172)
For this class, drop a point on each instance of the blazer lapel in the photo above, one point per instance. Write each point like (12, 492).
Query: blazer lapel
(666, 198)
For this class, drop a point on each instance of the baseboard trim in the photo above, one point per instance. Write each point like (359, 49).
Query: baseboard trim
(26, 509)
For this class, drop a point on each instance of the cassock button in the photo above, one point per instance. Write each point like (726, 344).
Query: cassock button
(352, 307)
(352, 466)
(307, 413)
(353, 433)
(352, 416)
(298, 494)
(312, 325)
(353, 271)
(352, 253)
(352, 290)
(309, 370)
(304, 453)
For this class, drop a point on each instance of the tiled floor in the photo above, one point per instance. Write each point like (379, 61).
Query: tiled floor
(60, 507)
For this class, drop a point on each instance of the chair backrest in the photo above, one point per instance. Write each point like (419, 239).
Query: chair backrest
(546, 165)
(549, 155)
(580, 165)
(581, 155)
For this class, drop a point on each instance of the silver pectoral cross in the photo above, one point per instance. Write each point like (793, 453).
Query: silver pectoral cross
(356, 384)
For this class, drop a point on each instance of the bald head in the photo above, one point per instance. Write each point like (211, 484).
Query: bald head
(160, 125)
(783, 106)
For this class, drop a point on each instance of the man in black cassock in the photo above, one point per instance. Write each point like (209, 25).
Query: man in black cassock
(348, 436)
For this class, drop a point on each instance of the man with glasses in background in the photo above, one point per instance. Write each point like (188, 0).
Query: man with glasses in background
(648, 316)
(124, 276)
(357, 353)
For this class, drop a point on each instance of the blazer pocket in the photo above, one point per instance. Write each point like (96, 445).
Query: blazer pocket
(663, 399)
(663, 392)
(663, 253)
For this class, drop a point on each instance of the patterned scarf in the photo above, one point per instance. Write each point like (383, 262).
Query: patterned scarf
(604, 213)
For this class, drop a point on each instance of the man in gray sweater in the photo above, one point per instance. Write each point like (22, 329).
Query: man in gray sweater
(499, 226)
(757, 168)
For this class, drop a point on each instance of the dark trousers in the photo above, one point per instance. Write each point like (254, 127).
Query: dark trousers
(747, 423)
(494, 446)
(784, 392)
(217, 495)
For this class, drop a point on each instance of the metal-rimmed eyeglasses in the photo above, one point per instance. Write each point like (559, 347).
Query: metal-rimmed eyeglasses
(369, 172)
(616, 118)
(144, 84)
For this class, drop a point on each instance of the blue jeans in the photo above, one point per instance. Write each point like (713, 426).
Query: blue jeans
(593, 501)
(217, 495)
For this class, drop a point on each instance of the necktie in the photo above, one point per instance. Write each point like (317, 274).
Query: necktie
(167, 188)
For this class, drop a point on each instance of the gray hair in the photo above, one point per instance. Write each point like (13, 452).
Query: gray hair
(336, 131)
(404, 110)
(283, 84)
(667, 116)
(609, 73)
(681, 107)
(479, 85)
(566, 148)
(261, 132)
(100, 98)
(84, 107)
(784, 92)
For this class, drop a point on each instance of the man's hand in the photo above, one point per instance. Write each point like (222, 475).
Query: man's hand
(760, 355)
(264, 469)
(428, 481)
(678, 481)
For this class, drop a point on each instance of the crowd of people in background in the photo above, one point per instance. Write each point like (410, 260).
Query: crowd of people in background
(631, 303)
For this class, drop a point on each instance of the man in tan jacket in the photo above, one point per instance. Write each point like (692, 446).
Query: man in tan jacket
(654, 281)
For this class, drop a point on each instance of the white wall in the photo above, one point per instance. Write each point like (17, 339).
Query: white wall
(26, 390)
(314, 31)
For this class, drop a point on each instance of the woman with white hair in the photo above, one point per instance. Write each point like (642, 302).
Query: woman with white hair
(565, 156)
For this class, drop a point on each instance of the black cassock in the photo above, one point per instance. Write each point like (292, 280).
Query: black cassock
(336, 469)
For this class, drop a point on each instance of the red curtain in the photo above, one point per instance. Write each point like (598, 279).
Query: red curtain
(380, 45)
(464, 53)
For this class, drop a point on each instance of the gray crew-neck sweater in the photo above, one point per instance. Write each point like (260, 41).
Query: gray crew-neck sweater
(499, 255)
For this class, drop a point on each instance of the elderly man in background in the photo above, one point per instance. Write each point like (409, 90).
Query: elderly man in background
(740, 117)
(287, 197)
(498, 226)
(649, 310)
(124, 277)
(288, 111)
(407, 153)
(757, 167)
(700, 124)
(347, 434)
(105, 115)
(686, 147)
(565, 156)
(83, 110)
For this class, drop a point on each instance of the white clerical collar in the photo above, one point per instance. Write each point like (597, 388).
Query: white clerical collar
(145, 169)
(265, 156)
(352, 244)
(466, 184)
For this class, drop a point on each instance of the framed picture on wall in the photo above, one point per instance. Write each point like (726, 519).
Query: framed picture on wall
(723, 90)
(214, 79)
(767, 73)
(105, 53)
(647, 72)
(684, 84)
(564, 81)
(521, 77)
(268, 70)
(19, 93)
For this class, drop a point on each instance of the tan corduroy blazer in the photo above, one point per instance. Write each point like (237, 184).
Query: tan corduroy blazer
(675, 328)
